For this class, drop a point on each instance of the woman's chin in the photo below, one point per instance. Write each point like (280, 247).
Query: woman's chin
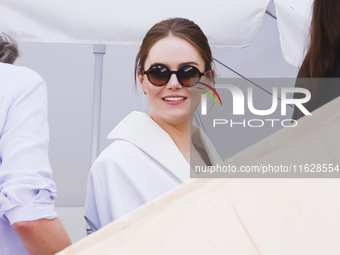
(176, 117)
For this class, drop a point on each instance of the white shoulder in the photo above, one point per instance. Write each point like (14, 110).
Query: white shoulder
(16, 79)
(121, 155)
(125, 161)
(120, 150)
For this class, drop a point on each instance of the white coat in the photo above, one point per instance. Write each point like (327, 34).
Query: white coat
(142, 163)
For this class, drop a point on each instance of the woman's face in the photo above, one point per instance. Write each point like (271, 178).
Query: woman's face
(171, 102)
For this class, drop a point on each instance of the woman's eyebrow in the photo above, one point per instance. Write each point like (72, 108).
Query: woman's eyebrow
(158, 63)
(188, 63)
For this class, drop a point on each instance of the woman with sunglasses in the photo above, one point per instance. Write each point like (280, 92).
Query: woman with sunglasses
(150, 154)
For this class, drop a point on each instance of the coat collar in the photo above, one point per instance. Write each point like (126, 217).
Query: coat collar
(142, 131)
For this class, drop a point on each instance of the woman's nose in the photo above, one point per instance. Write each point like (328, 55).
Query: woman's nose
(173, 83)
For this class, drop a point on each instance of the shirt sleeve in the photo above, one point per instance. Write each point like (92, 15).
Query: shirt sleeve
(26, 189)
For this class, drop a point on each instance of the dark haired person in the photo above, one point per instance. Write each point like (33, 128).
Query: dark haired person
(323, 56)
(8, 49)
(28, 222)
(151, 152)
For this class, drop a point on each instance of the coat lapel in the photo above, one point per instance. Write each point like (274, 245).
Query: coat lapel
(139, 129)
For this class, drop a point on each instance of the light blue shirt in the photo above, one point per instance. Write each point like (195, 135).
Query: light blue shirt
(26, 190)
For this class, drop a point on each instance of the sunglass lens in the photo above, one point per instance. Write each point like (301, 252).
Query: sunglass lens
(158, 75)
(186, 73)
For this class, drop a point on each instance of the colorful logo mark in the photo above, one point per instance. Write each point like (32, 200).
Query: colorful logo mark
(208, 92)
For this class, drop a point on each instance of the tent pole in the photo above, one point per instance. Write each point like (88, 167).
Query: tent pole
(98, 50)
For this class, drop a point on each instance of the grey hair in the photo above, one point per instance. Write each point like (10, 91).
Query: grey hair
(8, 49)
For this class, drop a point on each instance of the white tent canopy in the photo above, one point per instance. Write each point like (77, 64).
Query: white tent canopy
(227, 23)
(126, 22)
(293, 18)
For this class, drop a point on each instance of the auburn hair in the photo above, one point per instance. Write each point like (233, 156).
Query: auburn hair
(178, 27)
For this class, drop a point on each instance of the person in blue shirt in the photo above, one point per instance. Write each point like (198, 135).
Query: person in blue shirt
(28, 222)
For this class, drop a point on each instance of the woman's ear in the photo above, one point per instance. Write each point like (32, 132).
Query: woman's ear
(213, 73)
(141, 79)
(210, 73)
(209, 77)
